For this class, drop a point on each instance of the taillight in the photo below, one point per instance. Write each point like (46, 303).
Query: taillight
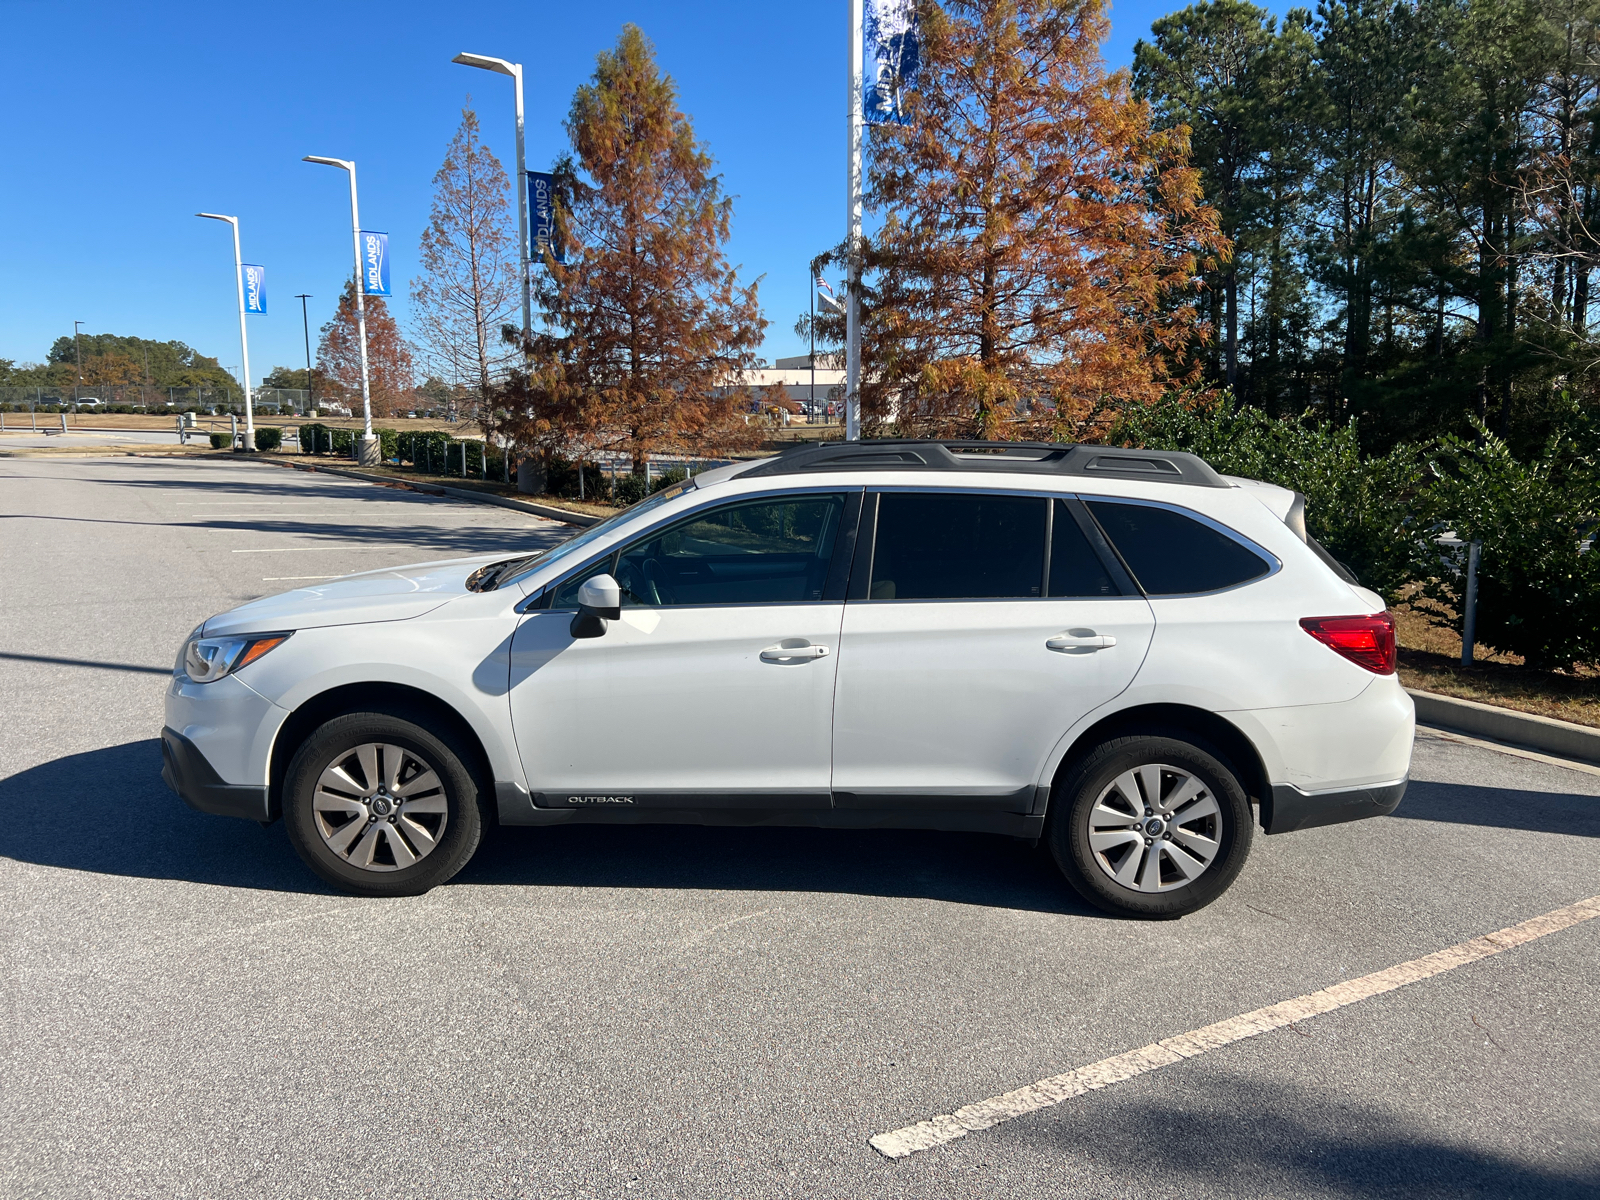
(1366, 641)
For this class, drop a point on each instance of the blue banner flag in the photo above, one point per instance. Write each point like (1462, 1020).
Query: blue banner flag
(542, 208)
(374, 264)
(255, 289)
(893, 54)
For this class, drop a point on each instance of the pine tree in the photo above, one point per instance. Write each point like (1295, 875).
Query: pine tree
(389, 367)
(653, 332)
(468, 288)
(1040, 241)
(1221, 69)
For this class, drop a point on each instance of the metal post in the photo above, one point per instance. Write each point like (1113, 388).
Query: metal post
(305, 325)
(77, 349)
(1469, 618)
(361, 307)
(811, 399)
(501, 67)
(852, 398)
(244, 338)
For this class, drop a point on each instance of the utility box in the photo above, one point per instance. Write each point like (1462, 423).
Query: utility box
(189, 421)
(531, 476)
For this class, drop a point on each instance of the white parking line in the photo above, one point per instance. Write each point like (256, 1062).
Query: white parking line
(936, 1131)
(297, 549)
(288, 578)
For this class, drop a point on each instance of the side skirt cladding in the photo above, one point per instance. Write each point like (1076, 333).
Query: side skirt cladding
(518, 807)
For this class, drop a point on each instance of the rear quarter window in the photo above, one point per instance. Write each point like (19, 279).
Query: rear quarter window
(1174, 555)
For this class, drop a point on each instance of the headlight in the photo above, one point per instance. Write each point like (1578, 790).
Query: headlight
(206, 660)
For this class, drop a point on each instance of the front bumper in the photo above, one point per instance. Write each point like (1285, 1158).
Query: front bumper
(187, 771)
(1293, 809)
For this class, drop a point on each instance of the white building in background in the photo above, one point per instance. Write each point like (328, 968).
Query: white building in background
(799, 382)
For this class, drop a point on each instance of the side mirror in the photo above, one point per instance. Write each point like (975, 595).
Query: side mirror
(599, 601)
(602, 596)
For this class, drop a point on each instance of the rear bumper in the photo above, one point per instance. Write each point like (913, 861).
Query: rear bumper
(1293, 809)
(186, 771)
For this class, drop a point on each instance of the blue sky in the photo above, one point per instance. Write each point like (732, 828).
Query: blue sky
(122, 121)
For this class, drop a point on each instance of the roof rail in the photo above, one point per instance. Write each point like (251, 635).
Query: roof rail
(1032, 458)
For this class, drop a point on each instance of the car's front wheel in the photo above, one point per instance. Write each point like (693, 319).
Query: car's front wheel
(381, 806)
(1150, 826)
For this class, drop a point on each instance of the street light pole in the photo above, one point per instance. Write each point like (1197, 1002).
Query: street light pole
(77, 349)
(852, 395)
(369, 451)
(501, 67)
(305, 323)
(244, 339)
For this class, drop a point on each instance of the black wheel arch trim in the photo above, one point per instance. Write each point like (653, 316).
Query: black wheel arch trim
(1221, 735)
(394, 699)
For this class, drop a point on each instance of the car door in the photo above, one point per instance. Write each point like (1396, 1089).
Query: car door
(714, 688)
(980, 627)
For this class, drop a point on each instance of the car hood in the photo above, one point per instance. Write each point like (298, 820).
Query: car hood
(392, 594)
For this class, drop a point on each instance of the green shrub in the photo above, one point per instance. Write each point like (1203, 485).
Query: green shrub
(221, 441)
(631, 489)
(667, 478)
(269, 438)
(561, 479)
(425, 449)
(1538, 573)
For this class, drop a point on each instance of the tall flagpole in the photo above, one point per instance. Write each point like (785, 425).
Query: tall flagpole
(852, 402)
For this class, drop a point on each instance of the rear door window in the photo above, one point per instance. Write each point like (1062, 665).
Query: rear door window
(958, 546)
(1174, 555)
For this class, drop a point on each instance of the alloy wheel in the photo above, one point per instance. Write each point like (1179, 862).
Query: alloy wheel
(380, 807)
(1155, 828)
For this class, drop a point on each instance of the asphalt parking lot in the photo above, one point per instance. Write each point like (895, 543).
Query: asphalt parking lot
(705, 1013)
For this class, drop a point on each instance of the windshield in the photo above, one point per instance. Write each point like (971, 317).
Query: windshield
(574, 545)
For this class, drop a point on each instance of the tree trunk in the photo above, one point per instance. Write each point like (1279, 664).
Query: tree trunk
(1230, 288)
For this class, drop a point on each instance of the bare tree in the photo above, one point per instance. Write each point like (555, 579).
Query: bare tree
(468, 284)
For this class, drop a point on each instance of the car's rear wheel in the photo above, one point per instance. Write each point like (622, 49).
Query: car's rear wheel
(1150, 825)
(381, 806)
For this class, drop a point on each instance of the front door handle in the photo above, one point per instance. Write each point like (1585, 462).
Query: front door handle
(794, 652)
(1084, 641)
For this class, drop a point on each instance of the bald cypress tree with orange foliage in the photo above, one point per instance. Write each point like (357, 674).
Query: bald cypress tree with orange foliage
(1041, 243)
(390, 369)
(652, 331)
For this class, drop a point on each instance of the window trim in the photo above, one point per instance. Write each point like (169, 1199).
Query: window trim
(1273, 562)
(541, 599)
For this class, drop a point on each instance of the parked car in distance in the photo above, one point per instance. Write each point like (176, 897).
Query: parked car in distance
(1120, 652)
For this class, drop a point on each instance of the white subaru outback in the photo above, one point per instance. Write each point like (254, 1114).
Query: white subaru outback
(1119, 651)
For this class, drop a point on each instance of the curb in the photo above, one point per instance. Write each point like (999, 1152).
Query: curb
(1529, 730)
(582, 520)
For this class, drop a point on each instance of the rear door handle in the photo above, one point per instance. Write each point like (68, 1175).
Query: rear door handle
(1092, 641)
(789, 654)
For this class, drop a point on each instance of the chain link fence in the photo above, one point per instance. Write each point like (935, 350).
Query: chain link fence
(136, 398)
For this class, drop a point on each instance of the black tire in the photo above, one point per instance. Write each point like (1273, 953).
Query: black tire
(455, 816)
(1171, 892)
